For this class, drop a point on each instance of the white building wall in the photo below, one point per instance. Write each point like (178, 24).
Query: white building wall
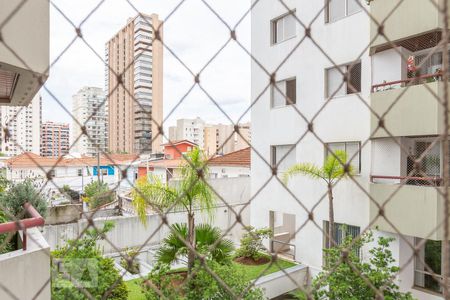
(23, 123)
(228, 171)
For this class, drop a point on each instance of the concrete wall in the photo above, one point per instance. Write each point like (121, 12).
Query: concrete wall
(278, 283)
(26, 274)
(63, 214)
(130, 232)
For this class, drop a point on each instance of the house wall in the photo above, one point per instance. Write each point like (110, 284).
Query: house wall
(228, 171)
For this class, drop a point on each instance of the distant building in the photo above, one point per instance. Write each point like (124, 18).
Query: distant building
(212, 138)
(188, 129)
(21, 126)
(89, 110)
(135, 103)
(54, 139)
(73, 171)
(234, 164)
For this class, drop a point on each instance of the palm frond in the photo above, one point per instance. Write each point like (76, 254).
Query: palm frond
(151, 193)
(334, 165)
(306, 169)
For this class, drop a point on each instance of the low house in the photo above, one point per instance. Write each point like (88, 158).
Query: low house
(234, 164)
(75, 171)
(169, 166)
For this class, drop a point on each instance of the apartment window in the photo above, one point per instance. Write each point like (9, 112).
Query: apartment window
(341, 231)
(335, 84)
(431, 253)
(283, 28)
(283, 157)
(284, 92)
(80, 172)
(353, 150)
(339, 9)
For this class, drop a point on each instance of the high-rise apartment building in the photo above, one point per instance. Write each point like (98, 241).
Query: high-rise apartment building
(213, 138)
(379, 82)
(89, 108)
(54, 139)
(134, 85)
(22, 124)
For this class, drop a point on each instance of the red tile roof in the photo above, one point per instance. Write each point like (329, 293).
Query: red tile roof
(29, 159)
(174, 143)
(237, 158)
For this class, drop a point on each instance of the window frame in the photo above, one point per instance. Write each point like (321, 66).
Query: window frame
(345, 85)
(326, 241)
(327, 12)
(273, 28)
(327, 152)
(274, 90)
(273, 162)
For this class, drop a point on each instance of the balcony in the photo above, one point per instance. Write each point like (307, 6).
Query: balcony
(25, 69)
(411, 18)
(406, 92)
(414, 210)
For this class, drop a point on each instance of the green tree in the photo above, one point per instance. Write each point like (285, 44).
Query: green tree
(173, 249)
(97, 193)
(332, 170)
(343, 278)
(252, 242)
(83, 263)
(18, 194)
(5, 246)
(191, 193)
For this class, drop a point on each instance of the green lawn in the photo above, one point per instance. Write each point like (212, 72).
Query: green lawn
(251, 272)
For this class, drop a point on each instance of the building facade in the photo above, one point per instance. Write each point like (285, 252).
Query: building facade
(314, 89)
(22, 124)
(214, 139)
(135, 103)
(89, 109)
(54, 139)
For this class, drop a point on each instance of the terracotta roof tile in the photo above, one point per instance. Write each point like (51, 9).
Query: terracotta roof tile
(237, 158)
(29, 159)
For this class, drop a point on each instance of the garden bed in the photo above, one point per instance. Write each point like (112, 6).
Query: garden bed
(252, 272)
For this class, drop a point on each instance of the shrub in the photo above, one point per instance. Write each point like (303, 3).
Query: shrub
(4, 245)
(74, 195)
(203, 285)
(252, 242)
(84, 263)
(18, 194)
(132, 267)
(97, 193)
(339, 280)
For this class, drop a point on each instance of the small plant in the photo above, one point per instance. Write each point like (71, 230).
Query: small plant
(130, 264)
(5, 245)
(73, 195)
(97, 193)
(252, 243)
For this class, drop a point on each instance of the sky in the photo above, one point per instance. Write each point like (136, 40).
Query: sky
(192, 32)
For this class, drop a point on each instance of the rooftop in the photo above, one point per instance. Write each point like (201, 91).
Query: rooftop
(236, 158)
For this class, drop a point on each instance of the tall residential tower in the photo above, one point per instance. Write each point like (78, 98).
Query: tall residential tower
(54, 139)
(89, 110)
(134, 85)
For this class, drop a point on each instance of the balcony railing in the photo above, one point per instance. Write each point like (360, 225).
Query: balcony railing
(35, 220)
(406, 82)
(410, 180)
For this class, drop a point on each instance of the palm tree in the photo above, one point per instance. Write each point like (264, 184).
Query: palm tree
(191, 193)
(173, 249)
(332, 170)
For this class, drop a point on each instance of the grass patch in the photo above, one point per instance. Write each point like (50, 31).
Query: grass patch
(135, 289)
(251, 273)
(254, 272)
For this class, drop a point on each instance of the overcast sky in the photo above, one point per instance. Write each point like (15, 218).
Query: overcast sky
(192, 32)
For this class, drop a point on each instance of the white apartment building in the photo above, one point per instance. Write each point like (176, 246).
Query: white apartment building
(212, 138)
(90, 110)
(189, 129)
(23, 125)
(310, 82)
